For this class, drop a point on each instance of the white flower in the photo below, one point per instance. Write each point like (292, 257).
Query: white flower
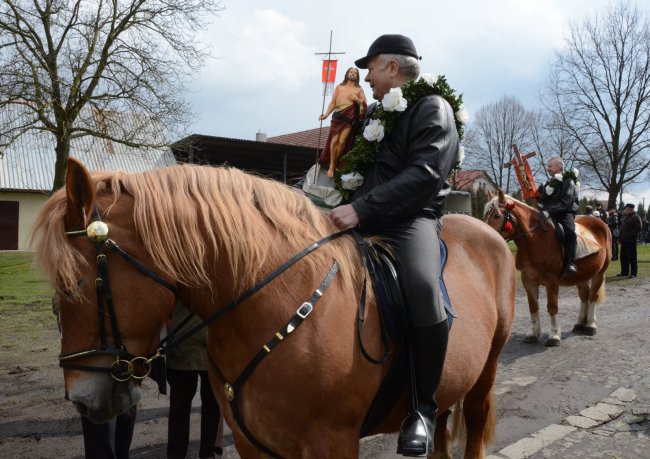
(393, 101)
(430, 78)
(461, 154)
(576, 172)
(462, 116)
(558, 176)
(351, 181)
(374, 131)
(549, 189)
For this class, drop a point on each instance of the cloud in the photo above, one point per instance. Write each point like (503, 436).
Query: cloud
(268, 75)
(262, 50)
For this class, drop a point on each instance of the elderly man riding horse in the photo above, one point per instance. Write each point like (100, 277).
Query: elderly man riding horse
(401, 199)
(559, 201)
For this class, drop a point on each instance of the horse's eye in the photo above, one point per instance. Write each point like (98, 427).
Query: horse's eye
(497, 216)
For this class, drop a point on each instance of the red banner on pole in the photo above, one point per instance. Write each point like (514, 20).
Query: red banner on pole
(329, 71)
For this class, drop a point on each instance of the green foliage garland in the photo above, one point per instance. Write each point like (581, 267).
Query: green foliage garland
(363, 152)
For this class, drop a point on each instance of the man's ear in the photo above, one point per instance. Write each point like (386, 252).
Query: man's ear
(393, 68)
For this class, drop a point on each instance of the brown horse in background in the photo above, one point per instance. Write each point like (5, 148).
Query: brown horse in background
(540, 260)
(211, 233)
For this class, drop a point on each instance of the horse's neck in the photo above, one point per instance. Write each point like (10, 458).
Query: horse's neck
(538, 245)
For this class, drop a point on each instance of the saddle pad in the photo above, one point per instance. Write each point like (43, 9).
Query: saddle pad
(587, 243)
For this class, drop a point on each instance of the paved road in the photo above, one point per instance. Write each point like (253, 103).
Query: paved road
(588, 398)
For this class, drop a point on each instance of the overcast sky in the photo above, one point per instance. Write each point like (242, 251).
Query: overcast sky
(266, 75)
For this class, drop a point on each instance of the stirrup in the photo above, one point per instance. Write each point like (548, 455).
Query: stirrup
(416, 435)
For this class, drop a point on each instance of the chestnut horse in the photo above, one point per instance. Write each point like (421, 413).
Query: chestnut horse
(540, 260)
(207, 235)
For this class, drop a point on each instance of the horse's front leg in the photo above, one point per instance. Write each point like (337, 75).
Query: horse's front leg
(532, 292)
(552, 292)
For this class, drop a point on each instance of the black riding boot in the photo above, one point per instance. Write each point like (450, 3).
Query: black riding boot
(429, 347)
(570, 245)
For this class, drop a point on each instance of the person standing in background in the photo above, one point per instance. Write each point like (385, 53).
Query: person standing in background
(628, 234)
(186, 364)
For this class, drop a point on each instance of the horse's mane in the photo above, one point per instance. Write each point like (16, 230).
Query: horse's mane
(187, 214)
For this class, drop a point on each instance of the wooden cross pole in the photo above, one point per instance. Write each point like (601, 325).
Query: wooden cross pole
(523, 172)
(329, 55)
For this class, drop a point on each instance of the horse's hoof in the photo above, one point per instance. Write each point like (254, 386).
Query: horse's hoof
(590, 331)
(579, 328)
(531, 339)
(552, 342)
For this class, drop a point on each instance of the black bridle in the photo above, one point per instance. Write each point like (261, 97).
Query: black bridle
(126, 365)
(509, 217)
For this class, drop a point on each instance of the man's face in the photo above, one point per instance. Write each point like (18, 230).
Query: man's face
(628, 210)
(379, 77)
(554, 168)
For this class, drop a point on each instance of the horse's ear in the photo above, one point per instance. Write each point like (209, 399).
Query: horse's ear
(502, 197)
(490, 196)
(80, 192)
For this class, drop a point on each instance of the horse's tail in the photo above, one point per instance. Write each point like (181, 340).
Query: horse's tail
(458, 431)
(491, 422)
(458, 428)
(600, 296)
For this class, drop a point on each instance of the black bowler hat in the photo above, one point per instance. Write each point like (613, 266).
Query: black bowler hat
(629, 206)
(389, 44)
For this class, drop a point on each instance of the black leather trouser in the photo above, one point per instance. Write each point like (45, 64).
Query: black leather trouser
(418, 265)
(568, 222)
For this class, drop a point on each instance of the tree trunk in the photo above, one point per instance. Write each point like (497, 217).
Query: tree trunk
(61, 166)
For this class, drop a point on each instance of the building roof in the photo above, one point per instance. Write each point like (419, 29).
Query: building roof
(464, 179)
(281, 161)
(28, 163)
(312, 138)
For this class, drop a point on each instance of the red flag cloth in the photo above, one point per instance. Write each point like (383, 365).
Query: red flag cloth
(329, 71)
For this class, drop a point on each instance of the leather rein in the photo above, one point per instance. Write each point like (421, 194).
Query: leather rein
(126, 366)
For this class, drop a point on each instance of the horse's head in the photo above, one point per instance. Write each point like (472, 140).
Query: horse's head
(498, 213)
(513, 219)
(112, 300)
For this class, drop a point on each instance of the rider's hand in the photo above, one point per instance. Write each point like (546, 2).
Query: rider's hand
(545, 215)
(344, 217)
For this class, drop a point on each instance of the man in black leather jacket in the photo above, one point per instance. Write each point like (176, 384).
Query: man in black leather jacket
(559, 200)
(401, 198)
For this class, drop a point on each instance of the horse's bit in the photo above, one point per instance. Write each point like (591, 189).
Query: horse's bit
(125, 365)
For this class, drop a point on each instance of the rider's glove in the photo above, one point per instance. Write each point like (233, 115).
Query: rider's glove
(545, 215)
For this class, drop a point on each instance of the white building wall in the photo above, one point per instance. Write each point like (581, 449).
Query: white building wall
(28, 206)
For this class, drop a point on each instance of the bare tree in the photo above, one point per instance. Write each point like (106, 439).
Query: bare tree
(599, 92)
(66, 67)
(489, 138)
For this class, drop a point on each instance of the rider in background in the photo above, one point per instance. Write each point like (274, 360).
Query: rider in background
(559, 201)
